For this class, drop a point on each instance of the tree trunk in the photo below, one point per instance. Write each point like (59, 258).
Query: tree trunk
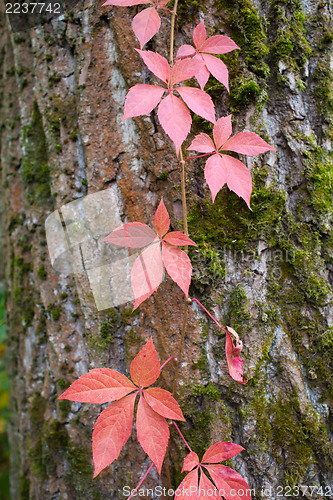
(266, 272)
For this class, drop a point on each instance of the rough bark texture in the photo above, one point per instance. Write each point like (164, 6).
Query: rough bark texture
(267, 273)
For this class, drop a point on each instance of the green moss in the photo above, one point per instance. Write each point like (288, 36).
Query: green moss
(55, 311)
(210, 390)
(34, 167)
(41, 272)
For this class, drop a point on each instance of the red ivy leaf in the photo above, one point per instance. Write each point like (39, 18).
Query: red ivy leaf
(163, 403)
(146, 24)
(114, 425)
(235, 364)
(229, 483)
(223, 169)
(147, 270)
(111, 432)
(145, 367)
(153, 433)
(101, 385)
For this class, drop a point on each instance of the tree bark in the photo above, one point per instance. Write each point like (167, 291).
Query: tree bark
(268, 272)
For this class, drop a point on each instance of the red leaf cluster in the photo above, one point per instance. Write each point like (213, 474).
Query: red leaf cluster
(114, 425)
(147, 270)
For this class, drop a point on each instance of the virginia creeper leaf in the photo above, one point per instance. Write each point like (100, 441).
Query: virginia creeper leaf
(230, 482)
(100, 385)
(185, 69)
(179, 239)
(221, 451)
(216, 174)
(153, 433)
(146, 24)
(188, 488)
(185, 51)
(156, 63)
(205, 485)
(222, 131)
(178, 265)
(145, 367)
(202, 143)
(163, 403)
(199, 34)
(146, 273)
(161, 220)
(247, 143)
(198, 101)
(175, 119)
(202, 76)
(218, 44)
(217, 68)
(111, 432)
(191, 460)
(132, 235)
(235, 363)
(141, 100)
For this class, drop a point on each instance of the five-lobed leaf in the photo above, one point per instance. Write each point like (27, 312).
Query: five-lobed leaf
(114, 425)
(147, 270)
(222, 168)
(228, 482)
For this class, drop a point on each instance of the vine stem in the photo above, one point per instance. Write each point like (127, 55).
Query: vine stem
(172, 30)
(167, 361)
(210, 315)
(181, 435)
(144, 477)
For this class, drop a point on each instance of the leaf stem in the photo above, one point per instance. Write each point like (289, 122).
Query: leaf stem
(210, 315)
(167, 361)
(199, 156)
(181, 348)
(144, 477)
(181, 435)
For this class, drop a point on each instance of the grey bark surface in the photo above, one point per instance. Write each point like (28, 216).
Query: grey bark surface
(266, 273)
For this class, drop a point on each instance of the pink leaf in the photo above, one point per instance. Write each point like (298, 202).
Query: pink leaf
(111, 432)
(146, 273)
(207, 488)
(179, 239)
(202, 76)
(218, 44)
(202, 143)
(163, 403)
(153, 433)
(145, 367)
(185, 51)
(146, 24)
(188, 488)
(141, 100)
(161, 220)
(100, 385)
(178, 266)
(185, 69)
(175, 119)
(235, 364)
(156, 63)
(239, 178)
(199, 102)
(221, 451)
(222, 130)
(217, 68)
(125, 3)
(247, 143)
(216, 174)
(191, 461)
(199, 35)
(132, 235)
(230, 482)
(161, 3)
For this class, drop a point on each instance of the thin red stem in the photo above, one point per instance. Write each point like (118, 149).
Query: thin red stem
(144, 477)
(212, 317)
(167, 361)
(181, 435)
(199, 156)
